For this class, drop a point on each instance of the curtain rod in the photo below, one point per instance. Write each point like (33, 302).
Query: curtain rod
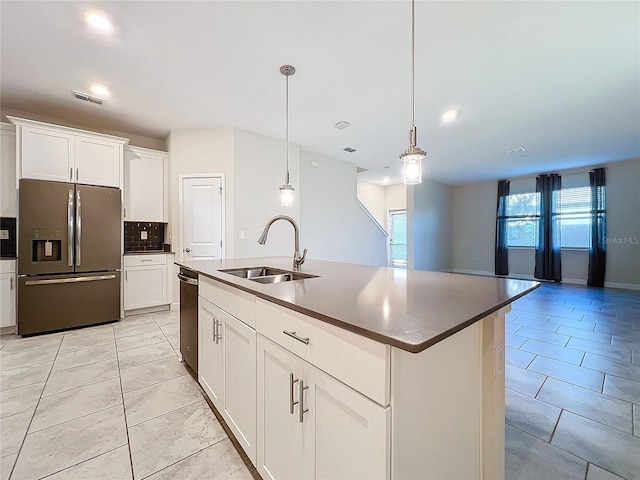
(549, 173)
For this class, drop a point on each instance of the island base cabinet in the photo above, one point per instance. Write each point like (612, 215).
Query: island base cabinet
(340, 433)
(210, 352)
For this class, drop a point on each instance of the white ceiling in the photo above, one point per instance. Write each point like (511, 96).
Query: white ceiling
(561, 79)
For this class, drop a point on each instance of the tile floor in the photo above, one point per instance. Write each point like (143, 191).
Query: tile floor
(108, 402)
(114, 402)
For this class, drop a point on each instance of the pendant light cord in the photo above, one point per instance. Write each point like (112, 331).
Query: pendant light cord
(413, 41)
(287, 132)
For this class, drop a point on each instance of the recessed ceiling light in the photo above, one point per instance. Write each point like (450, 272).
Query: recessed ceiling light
(386, 180)
(449, 116)
(341, 125)
(386, 167)
(98, 21)
(86, 97)
(99, 90)
(349, 149)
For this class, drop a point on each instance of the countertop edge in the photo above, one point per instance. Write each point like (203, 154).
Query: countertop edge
(394, 342)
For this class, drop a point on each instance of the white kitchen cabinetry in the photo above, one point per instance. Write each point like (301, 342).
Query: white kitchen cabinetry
(311, 425)
(7, 293)
(145, 185)
(145, 281)
(8, 186)
(51, 152)
(227, 358)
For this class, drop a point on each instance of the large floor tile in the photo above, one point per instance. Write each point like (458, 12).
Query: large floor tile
(6, 465)
(529, 458)
(30, 343)
(585, 334)
(543, 336)
(612, 351)
(518, 357)
(532, 416)
(217, 461)
(75, 377)
(574, 374)
(85, 356)
(597, 473)
(528, 312)
(150, 353)
(514, 341)
(601, 408)
(140, 340)
(143, 325)
(553, 351)
(636, 420)
(18, 400)
(23, 376)
(154, 400)
(113, 465)
(568, 322)
(172, 329)
(622, 388)
(607, 447)
(28, 357)
(71, 404)
(153, 443)
(523, 381)
(79, 342)
(612, 366)
(56, 448)
(538, 324)
(149, 373)
(174, 340)
(12, 431)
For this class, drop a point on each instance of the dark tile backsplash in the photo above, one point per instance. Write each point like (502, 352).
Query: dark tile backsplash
(133, 241)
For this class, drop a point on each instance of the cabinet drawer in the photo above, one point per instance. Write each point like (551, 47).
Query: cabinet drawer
(241, 305)
(357, 361)
(142, 260)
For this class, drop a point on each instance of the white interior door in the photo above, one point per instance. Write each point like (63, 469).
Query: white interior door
(202, 217)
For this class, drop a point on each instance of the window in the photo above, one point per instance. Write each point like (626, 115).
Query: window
(398, 239)
(523, 211)
(575, 218)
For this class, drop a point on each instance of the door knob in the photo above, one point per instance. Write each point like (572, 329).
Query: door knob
(187, 249)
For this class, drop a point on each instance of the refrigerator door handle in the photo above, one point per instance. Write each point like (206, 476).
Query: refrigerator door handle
(70, 229)
(69, 280)
(78, 229)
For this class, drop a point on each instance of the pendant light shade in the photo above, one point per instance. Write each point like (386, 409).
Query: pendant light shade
(412, 157)
(286, 190)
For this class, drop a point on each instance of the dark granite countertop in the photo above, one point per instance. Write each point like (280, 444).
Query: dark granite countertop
(149, 252)
(408, 309)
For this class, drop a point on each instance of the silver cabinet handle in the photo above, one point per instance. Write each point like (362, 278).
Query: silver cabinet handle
(70, 229)
(218, 336)
(291, 402)
(293, 335)
(302, 410)
(11, 283)
(78, 228)
(77, 174)
(70, 174)
(214, 322)
(187, 249)
(146, 260)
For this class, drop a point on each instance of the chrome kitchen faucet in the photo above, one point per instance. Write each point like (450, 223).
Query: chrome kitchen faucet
(297, 259)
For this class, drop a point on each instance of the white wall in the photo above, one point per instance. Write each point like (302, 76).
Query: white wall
(333, 226)
(259, 166)
(429, 227)
(474, 217)
(372, 197)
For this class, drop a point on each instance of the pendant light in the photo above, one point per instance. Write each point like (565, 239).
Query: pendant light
(412, 157)
(286, 190)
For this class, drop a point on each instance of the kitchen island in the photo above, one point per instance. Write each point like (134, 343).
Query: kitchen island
(358, 371)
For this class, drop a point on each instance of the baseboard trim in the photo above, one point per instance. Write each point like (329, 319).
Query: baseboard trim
(175, 306)
(571, 281)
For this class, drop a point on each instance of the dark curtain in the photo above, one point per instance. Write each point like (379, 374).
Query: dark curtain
(598, 246)
(548, 263)
(502, 257)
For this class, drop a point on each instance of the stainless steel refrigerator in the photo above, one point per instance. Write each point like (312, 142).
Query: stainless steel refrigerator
(68, 255)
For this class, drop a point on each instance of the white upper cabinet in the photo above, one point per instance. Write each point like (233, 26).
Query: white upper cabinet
(145, 185)
(51, 152)
(8, 185)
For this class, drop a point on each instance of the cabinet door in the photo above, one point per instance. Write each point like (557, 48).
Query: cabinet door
(144, 187)
(47, 154)
(240, 382)
(145, 286)
(211, 335)
(7, 299)
(97, 162)
(346, 435)
(8, 189)
(279, 430)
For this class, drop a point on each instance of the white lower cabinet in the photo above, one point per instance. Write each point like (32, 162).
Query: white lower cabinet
(311, 425)
(7, 293)
(145, 281)
(227, 370)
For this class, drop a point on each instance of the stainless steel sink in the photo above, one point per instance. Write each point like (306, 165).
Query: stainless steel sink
(267, 274)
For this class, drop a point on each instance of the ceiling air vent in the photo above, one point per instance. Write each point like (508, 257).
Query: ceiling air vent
(86, 97)
(349, 149)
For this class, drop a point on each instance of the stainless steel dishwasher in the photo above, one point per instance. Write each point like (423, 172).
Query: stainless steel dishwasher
(189, 317)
